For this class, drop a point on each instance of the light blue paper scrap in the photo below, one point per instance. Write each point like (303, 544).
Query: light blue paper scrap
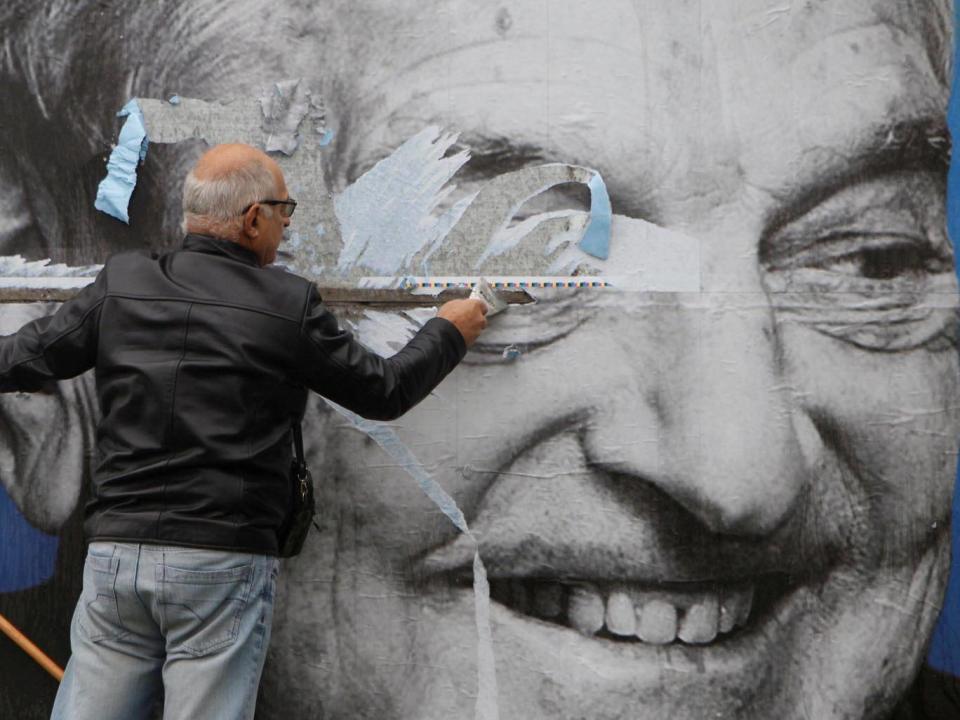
(511, 352)
(596, 238)
(385, 236)
(114, 191)
(174, 100)
(327, 138)
(486, 705)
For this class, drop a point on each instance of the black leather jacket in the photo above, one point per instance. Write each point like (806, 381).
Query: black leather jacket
(202, 358)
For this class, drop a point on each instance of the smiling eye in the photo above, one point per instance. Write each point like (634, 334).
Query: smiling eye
(887, 263)
(882, 258)
(871, 266)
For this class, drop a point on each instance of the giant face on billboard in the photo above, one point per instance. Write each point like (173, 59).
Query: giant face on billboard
(726, 495)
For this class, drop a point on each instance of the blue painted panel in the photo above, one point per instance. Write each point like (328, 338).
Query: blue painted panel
(945, 648)
(27, 556)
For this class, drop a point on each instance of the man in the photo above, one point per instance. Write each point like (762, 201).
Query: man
(783, 443)
(203, 357)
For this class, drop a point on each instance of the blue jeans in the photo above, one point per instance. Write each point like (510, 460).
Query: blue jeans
(189, 624)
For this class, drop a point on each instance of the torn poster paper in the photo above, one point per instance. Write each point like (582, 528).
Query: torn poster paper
(399, 216)
(491, 214)
(386, 217)
(284, 105)
(16, 272)
(114, 191)
(287, 127)
(644, 257)
(386, 437)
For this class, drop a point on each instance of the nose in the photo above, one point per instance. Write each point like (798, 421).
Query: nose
(711, 425)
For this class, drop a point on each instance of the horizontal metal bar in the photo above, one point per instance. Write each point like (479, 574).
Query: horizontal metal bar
(399, 297)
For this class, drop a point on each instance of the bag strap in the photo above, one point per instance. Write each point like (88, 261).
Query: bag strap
(298, 446)
(301, 461)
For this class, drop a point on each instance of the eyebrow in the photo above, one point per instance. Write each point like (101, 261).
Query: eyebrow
(914, 144)
(918, 144)
(492, 156)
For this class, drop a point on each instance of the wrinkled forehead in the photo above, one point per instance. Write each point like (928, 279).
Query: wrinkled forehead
(670, 38)
(662, 85)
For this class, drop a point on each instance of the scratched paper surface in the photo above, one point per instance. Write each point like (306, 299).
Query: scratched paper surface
(715, 483)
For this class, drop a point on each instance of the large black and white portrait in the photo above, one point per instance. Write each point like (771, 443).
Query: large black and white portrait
(719, 487)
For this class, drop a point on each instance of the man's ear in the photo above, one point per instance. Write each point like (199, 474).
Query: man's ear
(251, 221)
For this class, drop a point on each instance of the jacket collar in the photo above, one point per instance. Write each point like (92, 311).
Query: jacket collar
(217, 246)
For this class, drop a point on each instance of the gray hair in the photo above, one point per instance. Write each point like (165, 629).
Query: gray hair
(213, 205)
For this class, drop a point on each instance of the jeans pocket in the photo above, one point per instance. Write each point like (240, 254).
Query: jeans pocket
(100, 615)
(202, 608)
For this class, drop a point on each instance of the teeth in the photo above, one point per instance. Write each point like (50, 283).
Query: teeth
(658, 623)
(735, 608)
(701, 622)
(585, 610)
(621, 618)
(653, 616)
(728, 618)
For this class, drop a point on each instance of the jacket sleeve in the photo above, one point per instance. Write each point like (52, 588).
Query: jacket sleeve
(54, 347)
(338, 367)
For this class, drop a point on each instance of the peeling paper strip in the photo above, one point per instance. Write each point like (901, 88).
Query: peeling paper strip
(45, 283)
(16, 272)
(114, 191)
(486, 705)
(507, 239)
(596, 238)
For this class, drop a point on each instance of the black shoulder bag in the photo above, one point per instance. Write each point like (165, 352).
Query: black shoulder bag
(294, 531)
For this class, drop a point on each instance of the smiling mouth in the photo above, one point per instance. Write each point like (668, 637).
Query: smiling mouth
(665, 614)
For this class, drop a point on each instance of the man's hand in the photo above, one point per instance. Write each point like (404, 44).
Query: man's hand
(468, 315)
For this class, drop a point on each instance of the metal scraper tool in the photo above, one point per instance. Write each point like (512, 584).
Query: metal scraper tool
(483, 291)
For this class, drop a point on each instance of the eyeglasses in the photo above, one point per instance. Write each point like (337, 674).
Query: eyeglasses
(286, 206)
